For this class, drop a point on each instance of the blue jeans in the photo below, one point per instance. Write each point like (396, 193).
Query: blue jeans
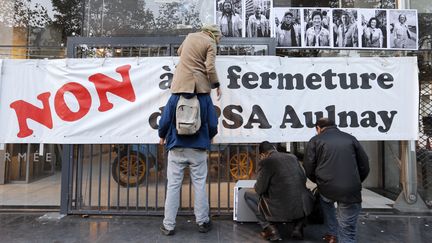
(178, 160)
(341, 222)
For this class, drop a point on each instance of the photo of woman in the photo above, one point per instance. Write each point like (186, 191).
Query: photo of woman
(403, 29)
(317, 32)
(373, 28)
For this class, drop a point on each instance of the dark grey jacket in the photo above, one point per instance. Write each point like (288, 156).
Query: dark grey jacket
(280, 184)
(336, 161)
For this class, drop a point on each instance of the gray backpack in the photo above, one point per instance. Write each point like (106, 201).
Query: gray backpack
(188, 117)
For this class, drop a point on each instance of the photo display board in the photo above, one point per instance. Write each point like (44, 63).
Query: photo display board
(324, 28)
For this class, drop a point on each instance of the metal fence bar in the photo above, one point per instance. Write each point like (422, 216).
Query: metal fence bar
(138, 164)
(118, 176)
(109, 180)
(219, 181)
(66, 185)
(90, 176)
(128, 177)
(79, 176)
(147, 179)
(100, 178)
(157, 183)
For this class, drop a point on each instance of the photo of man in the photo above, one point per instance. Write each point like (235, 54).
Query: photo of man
(288, 31)
(403, 29)
(228, 17)
(345, 30)
(257, 16)
(317, 32)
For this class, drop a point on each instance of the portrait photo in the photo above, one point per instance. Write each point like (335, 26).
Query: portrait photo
(373, 28)
(403, 29)
(257, 17)
(316, 26)
(229, 17)
(345, 29)
(287, 27)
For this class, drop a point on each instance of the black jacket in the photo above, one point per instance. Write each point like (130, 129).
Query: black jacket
(336, 161)
(280, 184)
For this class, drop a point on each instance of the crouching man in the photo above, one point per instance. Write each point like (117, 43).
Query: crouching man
(279, 192)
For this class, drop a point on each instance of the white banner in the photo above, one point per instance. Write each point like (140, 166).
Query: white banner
(264, 98)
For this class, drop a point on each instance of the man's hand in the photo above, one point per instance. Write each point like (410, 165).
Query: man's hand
(162, 141)
(218, 93)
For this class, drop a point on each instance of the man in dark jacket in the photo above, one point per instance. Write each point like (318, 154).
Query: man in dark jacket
(187, 151)
(337, 163)
(279, 192)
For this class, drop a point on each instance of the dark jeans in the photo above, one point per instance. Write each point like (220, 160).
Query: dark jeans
(252, 199)
(341, 222)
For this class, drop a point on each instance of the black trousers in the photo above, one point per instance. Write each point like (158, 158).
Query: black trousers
(252, 200)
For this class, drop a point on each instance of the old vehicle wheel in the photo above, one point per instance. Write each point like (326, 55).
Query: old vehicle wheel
(137, 169)
(241, 166)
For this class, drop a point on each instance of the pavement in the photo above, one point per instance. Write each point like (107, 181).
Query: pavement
(388, 226)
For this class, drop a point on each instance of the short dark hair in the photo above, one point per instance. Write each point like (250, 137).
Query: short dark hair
(288, 13)
(317, 13)
(324, 122)
(265, 146)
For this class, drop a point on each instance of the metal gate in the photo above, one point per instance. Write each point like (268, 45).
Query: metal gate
(424, 144)
(131, 178)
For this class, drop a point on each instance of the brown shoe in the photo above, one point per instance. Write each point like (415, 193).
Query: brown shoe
(270, 233)
(330, 238)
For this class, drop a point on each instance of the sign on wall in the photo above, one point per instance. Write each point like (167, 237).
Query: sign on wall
(264, 98)
(339, 28)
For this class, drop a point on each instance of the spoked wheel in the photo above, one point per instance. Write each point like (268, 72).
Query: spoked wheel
(137, 170)
(241, 166)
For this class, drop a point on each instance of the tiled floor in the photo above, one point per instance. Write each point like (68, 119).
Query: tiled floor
(23, 228)
(46, 192)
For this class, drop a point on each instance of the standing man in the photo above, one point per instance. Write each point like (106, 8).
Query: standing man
(187, 151)
(337, 163)
(289, 31)
(258, 25)
(279, 194)
(195, 75)
(230, 22)
(347, 35)
(196, 70)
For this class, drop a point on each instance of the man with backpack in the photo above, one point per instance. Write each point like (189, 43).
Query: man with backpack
(189, 122)
(187, 131)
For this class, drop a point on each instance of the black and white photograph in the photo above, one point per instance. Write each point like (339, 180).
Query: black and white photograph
(287, 27)
(345, 29)
(403, 29)
(257, 17)
(316, 27)
(373, 28)
(229, 17)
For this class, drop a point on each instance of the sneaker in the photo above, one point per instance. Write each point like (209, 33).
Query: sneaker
(205, 227)
(165, 231)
